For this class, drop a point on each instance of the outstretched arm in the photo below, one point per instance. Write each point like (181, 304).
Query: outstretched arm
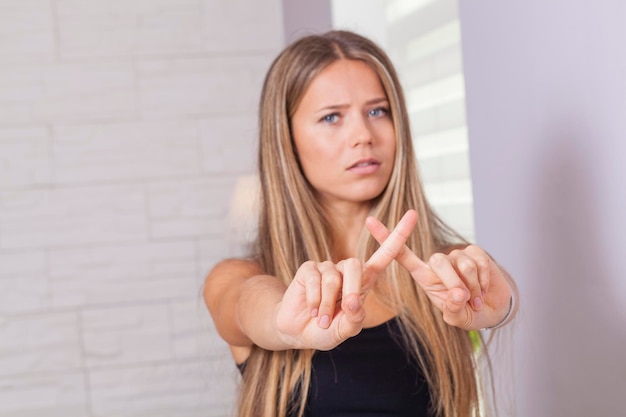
(319, 309)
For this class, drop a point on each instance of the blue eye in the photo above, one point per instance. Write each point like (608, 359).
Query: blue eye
(330, 118)
(378, 112)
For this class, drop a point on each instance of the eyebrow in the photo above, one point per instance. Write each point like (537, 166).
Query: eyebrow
(377, 100)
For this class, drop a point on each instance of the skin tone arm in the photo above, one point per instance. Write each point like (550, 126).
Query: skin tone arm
(250, 308)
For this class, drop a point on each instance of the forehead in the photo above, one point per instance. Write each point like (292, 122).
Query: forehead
(345, 80)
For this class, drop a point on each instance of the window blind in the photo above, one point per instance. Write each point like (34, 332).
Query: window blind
(423, 39)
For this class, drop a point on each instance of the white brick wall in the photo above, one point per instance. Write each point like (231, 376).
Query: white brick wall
(124, 125)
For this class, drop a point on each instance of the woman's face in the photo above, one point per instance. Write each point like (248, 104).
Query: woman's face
(344, 134)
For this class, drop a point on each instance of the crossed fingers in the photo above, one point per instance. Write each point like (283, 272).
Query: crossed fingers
(456, 283)
(347, 283)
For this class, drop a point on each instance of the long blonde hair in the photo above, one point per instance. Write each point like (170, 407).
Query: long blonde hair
(293, 228)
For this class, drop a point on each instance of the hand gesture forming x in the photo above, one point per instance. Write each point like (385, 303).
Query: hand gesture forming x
(323, 305)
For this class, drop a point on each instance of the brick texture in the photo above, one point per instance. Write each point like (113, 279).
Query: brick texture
(124, 126)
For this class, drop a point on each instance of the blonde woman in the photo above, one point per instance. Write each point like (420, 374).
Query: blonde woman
(320, 319)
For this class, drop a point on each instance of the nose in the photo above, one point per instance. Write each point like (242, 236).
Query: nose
(361, 133)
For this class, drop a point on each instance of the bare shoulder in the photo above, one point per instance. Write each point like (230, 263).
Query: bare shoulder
(234, 266)
(227, 274)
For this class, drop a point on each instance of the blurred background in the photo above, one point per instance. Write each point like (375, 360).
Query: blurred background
(128, 144)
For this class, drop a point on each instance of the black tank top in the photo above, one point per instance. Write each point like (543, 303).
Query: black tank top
(369, 375)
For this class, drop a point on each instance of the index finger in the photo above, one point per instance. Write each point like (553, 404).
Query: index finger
(392, 245)
(409, 260)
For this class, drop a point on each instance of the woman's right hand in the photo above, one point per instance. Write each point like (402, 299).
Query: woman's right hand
(323, 305)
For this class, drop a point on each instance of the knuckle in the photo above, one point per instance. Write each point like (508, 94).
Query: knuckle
(308, 265)
(352, 263)
(331, 281)
(483, 264)
(311, 278)
(473, 248)
(440, 260)
(307, 268)
(467, 266)
(476, 252)
(437, 259)
(483, 269)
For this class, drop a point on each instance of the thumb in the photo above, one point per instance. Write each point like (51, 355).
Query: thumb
(455, 310)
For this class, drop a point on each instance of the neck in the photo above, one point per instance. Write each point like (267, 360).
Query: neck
(347, 222)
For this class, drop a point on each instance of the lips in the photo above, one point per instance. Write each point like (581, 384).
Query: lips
(361, 163)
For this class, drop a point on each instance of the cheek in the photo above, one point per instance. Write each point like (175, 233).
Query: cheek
(387, 135)
(307, 154)
(315, 145)
(314, 160)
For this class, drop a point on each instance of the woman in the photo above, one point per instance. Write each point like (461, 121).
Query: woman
(319, 319)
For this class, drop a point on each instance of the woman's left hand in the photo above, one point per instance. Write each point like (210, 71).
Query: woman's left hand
(466, 285)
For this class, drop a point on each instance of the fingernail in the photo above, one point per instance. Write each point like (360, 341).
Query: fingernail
(354, 304)
(478, 303)
(324, 322)
(314, 312)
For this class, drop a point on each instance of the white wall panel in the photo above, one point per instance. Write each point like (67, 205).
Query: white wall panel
(194, 335)
(23, 281)
(25, 157)
(195, 87)
(126, 335)
(68, 93)
(182, 389)
(122, 273)
(118, 151)
(27, 32)
(71, 216)
(235, 154)
(51, 395)
(124, 125)
(32, 343)
(191, 208)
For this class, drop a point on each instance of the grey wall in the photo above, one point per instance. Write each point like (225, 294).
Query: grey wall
(304, 17)
(123, 127)
(546, 88)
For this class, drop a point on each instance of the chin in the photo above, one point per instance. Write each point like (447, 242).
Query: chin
(369, 195)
